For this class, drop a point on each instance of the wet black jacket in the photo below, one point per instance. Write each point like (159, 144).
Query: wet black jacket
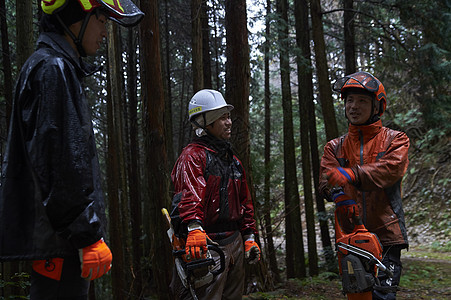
(51, 202)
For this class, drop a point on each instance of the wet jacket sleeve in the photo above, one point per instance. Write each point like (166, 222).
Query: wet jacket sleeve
(188, 178)
(389, 168)
(62, 150)
(328, 162)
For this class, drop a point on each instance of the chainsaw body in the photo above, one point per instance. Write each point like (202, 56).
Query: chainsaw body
(359, 259)
(196, 273)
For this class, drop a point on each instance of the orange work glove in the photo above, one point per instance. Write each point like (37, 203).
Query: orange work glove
(340, 176)
(95, 260)
(251, 250)
(196, 244)
(346, 207)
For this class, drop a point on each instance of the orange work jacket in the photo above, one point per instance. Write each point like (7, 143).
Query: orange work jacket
(379, 158)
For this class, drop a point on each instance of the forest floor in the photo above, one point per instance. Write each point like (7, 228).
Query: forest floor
(426, 275)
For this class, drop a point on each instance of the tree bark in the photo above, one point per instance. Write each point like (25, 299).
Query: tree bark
(115, 159)
(349, 36)
(24, 30)
(168, 99)
(6, 60)
(238, 77)
(293, 227)
(325, 91)
(134, 180)
(196, 44)
(270, 250)
(206, 57)
(305, 96)
(155, 148)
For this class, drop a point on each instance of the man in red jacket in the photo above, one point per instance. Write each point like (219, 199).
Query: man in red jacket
(51, 202)
(212, 198)
(368, 164)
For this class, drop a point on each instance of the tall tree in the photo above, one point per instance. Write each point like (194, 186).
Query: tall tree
(305, 96)
(133, 171)
(168, 99)
(196, 44)
(6, 60)
(238, 77)
(269, 241)
(206, 57)
(293, 227)
(349, 36)
(24, 29)
(322, 73)
(155, 147)
(116, 186)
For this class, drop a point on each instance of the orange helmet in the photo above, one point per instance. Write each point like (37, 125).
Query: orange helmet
(365, 81)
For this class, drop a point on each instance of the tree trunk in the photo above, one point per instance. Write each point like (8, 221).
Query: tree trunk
(7, 70)
(206, 46)
(270, 250)
(116, 192)
(196, 44)
(238, 76)
(293, 227)
(305, 96)
(155, 148)
(168, 99)
(325, 92)
(349, 36)
(134, 181)
(24, 30)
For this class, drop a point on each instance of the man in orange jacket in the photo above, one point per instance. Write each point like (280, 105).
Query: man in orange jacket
(51, 202)
(368, 164)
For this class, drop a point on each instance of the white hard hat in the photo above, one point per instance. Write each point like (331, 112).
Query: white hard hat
(206, 100)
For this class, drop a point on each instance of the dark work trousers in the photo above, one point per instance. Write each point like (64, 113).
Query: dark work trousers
(392, 260)
(228, 285)
(70, 287)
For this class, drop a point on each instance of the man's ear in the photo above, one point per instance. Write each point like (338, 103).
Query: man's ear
(377, 107)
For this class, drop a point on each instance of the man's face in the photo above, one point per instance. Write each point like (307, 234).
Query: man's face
(94, 35)
(222, 127)
(358, 108)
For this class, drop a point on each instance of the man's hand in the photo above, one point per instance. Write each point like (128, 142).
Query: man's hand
(346, 207)
(196, 244)
(95, 260)
(340, 176)
(251, 250)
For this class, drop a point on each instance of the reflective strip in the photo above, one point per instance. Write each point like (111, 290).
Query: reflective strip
(115, 4)
(86, 4)
(49, 6)
(195, 110)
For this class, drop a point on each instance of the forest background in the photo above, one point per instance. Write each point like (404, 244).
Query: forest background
(275, 61)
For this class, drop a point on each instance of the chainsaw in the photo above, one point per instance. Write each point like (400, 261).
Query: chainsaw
(359, 259)
(196, 273)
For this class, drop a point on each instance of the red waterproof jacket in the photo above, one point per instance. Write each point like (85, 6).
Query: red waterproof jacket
(211, 189)
(379, 158)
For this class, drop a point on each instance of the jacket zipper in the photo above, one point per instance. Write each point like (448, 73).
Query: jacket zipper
(361, 163)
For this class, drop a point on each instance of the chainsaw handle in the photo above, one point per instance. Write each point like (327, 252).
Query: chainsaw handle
(221, 259)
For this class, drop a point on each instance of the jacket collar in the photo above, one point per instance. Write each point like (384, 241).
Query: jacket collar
(368, 131)
(58, 43)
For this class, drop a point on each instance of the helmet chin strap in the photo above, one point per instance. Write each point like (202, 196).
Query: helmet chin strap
(77, 40)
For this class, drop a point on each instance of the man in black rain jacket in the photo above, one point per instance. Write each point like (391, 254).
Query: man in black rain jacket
(51, 202)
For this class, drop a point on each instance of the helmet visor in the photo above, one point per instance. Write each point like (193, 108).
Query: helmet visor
(360, 80)
(123, 12)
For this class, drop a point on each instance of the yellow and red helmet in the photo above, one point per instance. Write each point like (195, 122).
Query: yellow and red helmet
(123, 12)
(365, 81)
